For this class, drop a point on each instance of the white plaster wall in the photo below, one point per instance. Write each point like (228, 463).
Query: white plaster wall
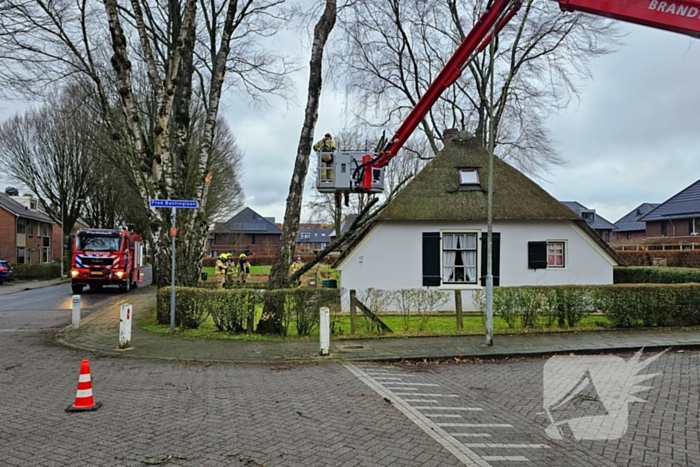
(390, 257)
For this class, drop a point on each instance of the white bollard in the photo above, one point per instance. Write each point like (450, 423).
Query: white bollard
(125, 326)
(325, 330)
(76, 311)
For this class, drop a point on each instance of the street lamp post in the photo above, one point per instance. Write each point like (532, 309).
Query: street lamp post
(63, 242)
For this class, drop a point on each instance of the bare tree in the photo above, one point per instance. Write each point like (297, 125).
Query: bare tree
(166, 59)
(393, 49)
(50, 151)
(272, 318)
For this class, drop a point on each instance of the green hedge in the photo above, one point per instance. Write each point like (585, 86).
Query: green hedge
(37, 271)
(627, 305)
(230, 309)
(655, 275)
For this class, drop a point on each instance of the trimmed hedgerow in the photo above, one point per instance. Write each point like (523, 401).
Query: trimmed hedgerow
(655, 275)
(37, 271)
(627, 305)
(230, 309)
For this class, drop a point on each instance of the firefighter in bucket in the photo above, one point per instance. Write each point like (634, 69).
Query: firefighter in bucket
(327, 147)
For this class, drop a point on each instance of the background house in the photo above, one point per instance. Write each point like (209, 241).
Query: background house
(630, 227)
(679, 216)
(595, 221)
(433, 234)
(247, 231)
(312, 238)
(27, 236)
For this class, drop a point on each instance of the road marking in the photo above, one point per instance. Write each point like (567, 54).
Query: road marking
(472, 435)
(501, 445)
(432, 429)
(464, 409)
(371, 373)
(507, 458)
(424, 395)
(386, 378)
(442, 415)
(408, 389)
(479, 425)
(414, 384)
(427, 401)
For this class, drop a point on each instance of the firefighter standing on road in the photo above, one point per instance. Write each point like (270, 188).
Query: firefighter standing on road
(327, 148)
(243, 268)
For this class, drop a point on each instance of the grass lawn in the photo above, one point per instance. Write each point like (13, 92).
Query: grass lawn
(436, 325)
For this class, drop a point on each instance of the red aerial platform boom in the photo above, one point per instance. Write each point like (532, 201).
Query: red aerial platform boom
(681, 16)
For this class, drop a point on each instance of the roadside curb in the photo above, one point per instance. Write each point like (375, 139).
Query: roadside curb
(338, 356)
(24, 289)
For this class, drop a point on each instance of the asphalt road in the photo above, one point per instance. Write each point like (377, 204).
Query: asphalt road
(50, 307)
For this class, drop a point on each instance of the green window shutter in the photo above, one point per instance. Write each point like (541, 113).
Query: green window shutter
(496, 252)
(431, 259)
(537, 255)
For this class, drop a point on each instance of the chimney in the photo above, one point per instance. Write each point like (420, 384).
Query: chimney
(448, 134)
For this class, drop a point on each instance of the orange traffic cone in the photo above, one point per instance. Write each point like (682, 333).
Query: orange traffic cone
(84, 402)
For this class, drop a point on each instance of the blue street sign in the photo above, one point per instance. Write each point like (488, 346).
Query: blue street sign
(174, 203)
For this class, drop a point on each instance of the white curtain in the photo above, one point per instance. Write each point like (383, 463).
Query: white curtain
(448, 257)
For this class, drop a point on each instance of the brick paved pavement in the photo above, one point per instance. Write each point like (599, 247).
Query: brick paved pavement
(100, 331)
(214, 414)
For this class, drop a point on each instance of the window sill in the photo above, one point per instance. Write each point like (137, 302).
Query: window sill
(459, 286)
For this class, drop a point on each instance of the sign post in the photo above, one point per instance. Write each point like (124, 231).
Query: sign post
(173, 204)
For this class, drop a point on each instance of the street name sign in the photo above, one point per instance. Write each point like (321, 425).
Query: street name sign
(174, 203)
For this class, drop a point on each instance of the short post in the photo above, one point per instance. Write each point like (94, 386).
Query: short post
(353, 313)
(125, 326)
(458, 309)
(325, 330)
(76, 311)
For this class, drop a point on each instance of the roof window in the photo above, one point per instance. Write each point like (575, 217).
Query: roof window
(468, 177)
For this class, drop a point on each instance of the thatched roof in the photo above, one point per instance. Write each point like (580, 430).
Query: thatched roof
(436, 195)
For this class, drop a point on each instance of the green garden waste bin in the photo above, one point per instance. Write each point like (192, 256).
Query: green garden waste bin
(329, 284)
(205, 276)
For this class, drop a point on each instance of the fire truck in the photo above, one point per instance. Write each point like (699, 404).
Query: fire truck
(363, 171)
(103, 257)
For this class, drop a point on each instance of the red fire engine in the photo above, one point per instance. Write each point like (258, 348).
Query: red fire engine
(105, 257)
(366, 170)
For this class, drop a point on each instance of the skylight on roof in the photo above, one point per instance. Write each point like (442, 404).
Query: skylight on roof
(468, 177)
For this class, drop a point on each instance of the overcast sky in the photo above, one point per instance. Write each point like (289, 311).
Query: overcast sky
(632, 138)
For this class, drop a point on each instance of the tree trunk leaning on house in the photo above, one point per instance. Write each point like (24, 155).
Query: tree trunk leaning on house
(271, 320)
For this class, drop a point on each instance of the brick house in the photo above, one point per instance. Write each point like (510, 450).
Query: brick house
(630, 228)
(679, 216)
(26, 234)
(247, 231)
(595, 221)
(312, 238)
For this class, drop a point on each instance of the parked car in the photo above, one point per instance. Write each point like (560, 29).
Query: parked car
(6, 272)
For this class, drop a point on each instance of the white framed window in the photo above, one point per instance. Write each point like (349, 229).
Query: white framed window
(459, 258)
(556, 254)
(468, 177)
(45, 255)
(305, 235)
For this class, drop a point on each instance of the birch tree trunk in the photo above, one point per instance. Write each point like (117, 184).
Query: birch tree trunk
(271, 320)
